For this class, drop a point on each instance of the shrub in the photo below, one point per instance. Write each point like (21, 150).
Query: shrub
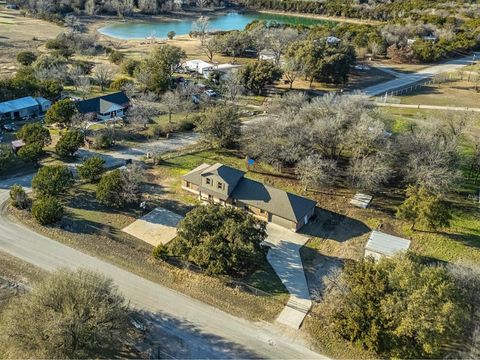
(52, 180)
(186, 125)
(102, 141)
(171, 35)
(26, 58)
(55, 44)
(68, 315)
(120, 83)
(129, 66)
(69, 143)
(47, 210)
(19, 197)
(30, 152)
(110, 188)
(34, 134)
(6, 157)
(91, 169)
(160, 252)
(116, 57)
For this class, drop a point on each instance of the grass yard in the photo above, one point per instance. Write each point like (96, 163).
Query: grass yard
(455, 93)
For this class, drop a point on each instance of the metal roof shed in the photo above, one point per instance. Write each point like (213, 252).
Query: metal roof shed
(380, 244)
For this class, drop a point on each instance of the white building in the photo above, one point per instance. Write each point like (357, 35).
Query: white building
(197, 65)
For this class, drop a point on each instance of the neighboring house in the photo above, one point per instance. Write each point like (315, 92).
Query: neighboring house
(197, 66)
(224, 70)
(384, 245)
(17, 145)
(227, 186)
(26, 107)
(266, 55)
(105, 107)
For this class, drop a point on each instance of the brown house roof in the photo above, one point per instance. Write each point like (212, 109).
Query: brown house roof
(277, 202)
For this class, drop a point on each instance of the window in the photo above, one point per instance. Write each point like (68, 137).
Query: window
(220, 185)
(209, 182)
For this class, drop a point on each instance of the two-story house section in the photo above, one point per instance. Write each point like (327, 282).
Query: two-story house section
(224, 185)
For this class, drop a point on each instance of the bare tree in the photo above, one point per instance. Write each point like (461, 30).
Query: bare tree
(73, 23)
(103, 74)
(315, 172)
(123, 7)
(201, 3)
(277, 40)
(375, 48)
(143, 110)
(84, 86)
(80, 121)
(211, 47)
(232, 87)
(200, 27)
(132, 178)
(369, 172)
(172, 103)
(292, 68)
(76, 74)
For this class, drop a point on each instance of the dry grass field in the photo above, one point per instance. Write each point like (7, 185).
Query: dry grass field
(19, 33)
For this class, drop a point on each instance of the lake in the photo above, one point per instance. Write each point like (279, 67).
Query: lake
(228, 21)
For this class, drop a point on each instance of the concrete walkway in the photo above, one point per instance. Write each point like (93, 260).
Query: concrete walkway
(284, 256)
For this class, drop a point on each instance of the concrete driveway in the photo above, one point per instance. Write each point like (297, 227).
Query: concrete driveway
(284, 256)
(157, 227)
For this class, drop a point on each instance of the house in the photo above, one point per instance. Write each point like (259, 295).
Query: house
(17, 145)
(197, 66)
(105, 107)
(227, 186)
(23, 108)
(224, 70)
(266, 55)
(384, 245)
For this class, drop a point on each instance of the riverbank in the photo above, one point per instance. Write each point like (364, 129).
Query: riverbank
(338, 19)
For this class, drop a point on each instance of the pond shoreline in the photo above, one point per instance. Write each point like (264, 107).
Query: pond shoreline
(142, 27)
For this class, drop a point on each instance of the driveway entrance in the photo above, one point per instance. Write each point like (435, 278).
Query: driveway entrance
(284, 256)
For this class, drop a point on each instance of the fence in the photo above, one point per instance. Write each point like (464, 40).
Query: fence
(437, 79)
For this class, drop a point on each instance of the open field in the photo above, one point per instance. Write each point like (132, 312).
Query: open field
(18, 33)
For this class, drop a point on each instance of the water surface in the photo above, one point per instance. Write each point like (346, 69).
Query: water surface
(227, 21)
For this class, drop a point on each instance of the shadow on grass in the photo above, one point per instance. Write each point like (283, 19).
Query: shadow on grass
(330, 225)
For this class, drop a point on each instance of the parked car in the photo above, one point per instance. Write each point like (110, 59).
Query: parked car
(9, 127)
(210, 93)
(195, 99)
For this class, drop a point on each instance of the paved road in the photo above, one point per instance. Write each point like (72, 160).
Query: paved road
(404, 80)
(430, 107)
(203, 331)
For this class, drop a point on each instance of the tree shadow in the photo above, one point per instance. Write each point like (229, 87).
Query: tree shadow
(330, 225)
(170, 337)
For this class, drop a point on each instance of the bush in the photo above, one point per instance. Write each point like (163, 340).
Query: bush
(68, 315)
(160, 252)
(91, 169)
(6, 157)
(110, 189)
(55, 44)
(186, 125)
(30, 152)
(398, 308)
(69, 143)
(52, 180)
(220, 240)
(129, 66)
(19, 197)
(47, 210)
(120, 83)
(26, 58)
(34, 134)
(102, 141)
(116, 57)
(171, 35)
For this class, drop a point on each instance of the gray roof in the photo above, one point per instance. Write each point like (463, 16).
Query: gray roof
(278, 202)
(386, 244)
(18, 104)
(230, 175)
